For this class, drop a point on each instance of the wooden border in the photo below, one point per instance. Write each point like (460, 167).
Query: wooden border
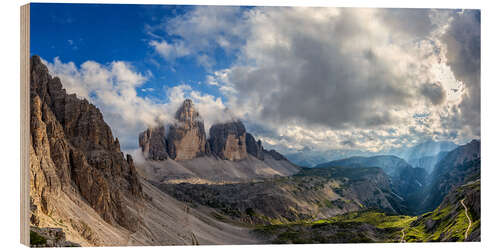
(25, 122)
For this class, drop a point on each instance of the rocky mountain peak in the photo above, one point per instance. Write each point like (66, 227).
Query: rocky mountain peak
(254, 147)
(187, 113)
(228, 140)
(153, 143)
(186, 139)
(74, 151)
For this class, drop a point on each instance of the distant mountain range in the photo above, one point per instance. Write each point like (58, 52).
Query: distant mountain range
(430, 148)
(405, 179)
(448, 205)
(311, 158)
(427, 162)
(425, 149)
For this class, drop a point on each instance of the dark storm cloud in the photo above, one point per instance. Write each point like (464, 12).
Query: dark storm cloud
(315, 79)
(348, 143)
(463, 41)
(434, 92)
(414, 22)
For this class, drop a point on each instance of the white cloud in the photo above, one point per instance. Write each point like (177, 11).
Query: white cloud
(205, 27)
(170, 51)
(202, 30)
(322, 77)
(317, 78)
(147, 89)
(206, 61)
(113, 89)
(211, 80)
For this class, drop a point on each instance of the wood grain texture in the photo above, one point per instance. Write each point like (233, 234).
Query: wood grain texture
(25, 64)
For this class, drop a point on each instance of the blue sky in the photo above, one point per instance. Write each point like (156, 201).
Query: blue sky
(300, 78)
(107, 32)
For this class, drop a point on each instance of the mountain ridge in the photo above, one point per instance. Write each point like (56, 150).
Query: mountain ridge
(406, 180)
(310, 158)
(59, 122)
(456, 168)
(228, 140)
(232, 154)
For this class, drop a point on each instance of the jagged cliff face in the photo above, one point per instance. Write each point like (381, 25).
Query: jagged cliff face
(231, 154)
(228, 141)
(153, 143)
(186, 139)
(73, 151)
(254, 147)
(458, 167)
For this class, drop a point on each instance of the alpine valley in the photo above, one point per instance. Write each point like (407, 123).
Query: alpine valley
(224, 187)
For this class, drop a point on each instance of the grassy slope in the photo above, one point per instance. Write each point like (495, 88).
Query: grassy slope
(354, 227)
(448, 222)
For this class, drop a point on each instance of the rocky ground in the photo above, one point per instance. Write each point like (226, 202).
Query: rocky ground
(49, 237)
(306, 195)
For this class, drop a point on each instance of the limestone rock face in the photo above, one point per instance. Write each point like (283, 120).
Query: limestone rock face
(153, 143)
(254, 148)
(73, 151)
(186, 138)
(228, 141)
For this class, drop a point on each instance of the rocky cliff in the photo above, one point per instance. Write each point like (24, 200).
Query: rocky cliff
(406, 180)
(74, 152)
(153, 143)
(228, 140)
(254, 147)
(457, 168)
(231, 154)
(186, 138)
